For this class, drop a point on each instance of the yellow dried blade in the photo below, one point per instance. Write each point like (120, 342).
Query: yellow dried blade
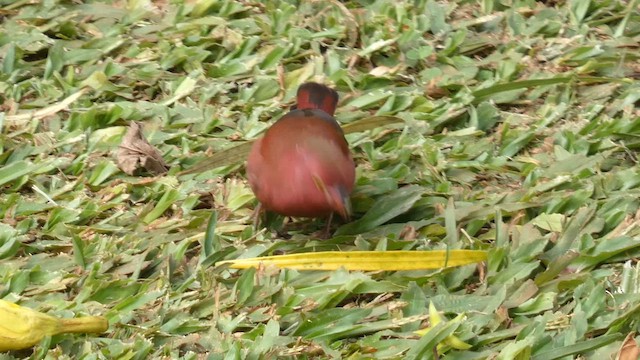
(365, 260)
(237, 154)
(230, 156)
(370, 123)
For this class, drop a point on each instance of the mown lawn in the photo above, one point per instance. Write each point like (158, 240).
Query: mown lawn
(516, 131)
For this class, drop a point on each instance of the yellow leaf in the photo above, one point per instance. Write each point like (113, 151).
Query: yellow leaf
(370, 123)
(451, 341)
(22, 327)
(16, 120)
(365, 260)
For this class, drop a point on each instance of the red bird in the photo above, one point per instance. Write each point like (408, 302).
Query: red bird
(302, 166)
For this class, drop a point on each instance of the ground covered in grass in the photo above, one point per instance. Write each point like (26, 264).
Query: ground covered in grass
(519, 134)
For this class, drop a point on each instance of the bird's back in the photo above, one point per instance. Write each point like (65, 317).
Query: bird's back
(300, 148)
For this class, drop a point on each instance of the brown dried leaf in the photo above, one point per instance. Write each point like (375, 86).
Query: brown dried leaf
(408, 233)
(629, 349)
(135, 153)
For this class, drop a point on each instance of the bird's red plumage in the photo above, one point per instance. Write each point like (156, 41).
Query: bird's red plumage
(302, 166)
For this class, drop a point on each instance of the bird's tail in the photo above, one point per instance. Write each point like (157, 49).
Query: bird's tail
(317, 96)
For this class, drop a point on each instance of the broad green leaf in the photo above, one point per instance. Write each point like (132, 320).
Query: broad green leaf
(549, 222)
(16, 170)
(168, 198)
(384, 209)
(245, 286)
(9, 243)
(578, 348)
(186, 86)
(210, 242)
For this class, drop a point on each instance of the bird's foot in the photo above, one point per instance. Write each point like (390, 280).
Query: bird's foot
(281, 233)
(325, 233)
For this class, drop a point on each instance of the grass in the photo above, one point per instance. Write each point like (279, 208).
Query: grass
(519, 130)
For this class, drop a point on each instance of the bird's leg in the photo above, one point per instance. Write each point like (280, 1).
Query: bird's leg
(281, 231)
(270, 222)
(326, 233)
(256, 217)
